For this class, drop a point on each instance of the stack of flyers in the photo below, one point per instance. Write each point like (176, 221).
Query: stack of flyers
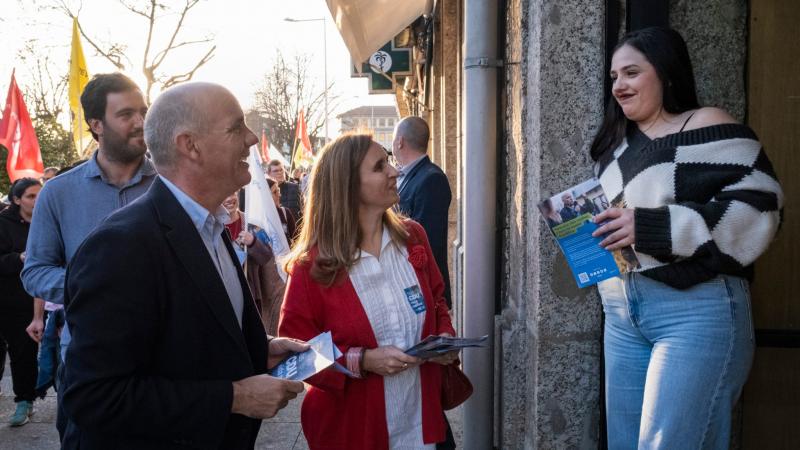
(433, 346)
(299, 366)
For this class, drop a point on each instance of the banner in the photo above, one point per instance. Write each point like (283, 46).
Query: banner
(78, 78)
(19, 138)
(260, 209)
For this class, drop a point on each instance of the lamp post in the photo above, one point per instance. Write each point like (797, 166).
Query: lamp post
(325, 60)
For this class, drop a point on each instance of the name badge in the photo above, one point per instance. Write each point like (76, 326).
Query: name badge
(415, 298)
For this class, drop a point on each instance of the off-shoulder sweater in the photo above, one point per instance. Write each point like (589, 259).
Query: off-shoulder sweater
(706, 201)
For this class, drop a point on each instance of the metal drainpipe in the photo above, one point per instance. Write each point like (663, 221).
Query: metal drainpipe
(480, 143)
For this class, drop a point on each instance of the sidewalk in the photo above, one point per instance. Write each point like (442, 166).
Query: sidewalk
(281, 432)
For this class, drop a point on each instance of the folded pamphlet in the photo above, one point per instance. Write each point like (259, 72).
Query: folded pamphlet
(299, 366)
(433, 346)
(569, 216)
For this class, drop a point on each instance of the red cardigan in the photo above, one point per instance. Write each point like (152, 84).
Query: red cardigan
(340, 412)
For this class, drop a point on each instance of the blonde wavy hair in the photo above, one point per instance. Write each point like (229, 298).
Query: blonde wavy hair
(330, 218)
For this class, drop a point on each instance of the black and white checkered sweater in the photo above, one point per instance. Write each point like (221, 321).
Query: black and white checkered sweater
(706, 201)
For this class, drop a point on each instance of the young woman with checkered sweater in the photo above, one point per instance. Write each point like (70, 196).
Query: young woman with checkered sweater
(701, 204)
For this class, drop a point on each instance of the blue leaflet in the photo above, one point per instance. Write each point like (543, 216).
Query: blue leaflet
(299, 366)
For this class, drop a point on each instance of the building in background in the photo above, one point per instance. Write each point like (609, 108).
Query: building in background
(379, 120)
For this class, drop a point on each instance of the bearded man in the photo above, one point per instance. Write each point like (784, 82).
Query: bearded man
(70, 206)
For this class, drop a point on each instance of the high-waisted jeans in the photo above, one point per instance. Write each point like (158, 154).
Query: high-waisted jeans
(675, 361)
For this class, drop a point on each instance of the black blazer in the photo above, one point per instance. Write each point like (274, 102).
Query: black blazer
(292, 197)
(155, 342)
(425, 197)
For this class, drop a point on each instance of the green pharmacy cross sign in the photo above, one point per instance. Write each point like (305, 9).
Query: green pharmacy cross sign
(384, 68)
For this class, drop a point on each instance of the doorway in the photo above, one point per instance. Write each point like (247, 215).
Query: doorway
(771, 398)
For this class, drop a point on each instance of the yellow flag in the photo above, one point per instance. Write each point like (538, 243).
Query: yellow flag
(301, 157)
(78, 78)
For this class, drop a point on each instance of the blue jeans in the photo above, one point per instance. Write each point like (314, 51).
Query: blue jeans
(675, 361)
(48, 352)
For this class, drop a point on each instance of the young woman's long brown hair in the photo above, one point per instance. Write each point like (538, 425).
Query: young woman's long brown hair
(330, 218)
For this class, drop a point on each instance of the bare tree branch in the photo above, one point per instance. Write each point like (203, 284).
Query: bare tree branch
(287, 88)
(163, 53)
(147, 70)
(154, 54)
(175, 79)
(114, 54)
(46, 92)
(189, 5)
(133, 9)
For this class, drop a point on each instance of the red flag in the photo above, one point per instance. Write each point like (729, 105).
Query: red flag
(18, 137)
(264, 147)
(302, 133)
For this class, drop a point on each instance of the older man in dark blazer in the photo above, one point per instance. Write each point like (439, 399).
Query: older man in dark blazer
(168, 350)
(424, 189)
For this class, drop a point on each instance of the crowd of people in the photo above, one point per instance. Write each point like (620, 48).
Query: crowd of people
(169, 310)
(153, 310)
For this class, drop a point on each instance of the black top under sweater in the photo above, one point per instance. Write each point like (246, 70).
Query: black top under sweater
(706, 201)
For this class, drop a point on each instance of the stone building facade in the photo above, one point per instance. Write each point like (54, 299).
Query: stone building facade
(548, 340)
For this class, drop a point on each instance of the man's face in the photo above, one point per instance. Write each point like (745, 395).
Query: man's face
(397, 151)
(224, 148)
(277, 173)
(567, 199)
(120, 133)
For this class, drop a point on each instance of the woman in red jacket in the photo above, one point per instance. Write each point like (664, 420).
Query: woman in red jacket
(369, 277)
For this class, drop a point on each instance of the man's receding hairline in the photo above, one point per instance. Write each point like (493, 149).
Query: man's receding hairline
(411, 128)
(199, 93)
(201, 96)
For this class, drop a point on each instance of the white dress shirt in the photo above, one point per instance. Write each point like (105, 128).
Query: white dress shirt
(392, 298)
(210, 227)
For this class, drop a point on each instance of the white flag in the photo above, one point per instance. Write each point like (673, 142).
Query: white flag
(275, 154)
(260, 209)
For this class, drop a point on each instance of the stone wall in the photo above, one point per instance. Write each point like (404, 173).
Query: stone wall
(716, 34)
(548, 346)
(550, 329)
(549, 336)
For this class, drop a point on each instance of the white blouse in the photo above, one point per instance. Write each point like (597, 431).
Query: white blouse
(392, 298)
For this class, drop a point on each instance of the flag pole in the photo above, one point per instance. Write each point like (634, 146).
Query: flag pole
(264, 147)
